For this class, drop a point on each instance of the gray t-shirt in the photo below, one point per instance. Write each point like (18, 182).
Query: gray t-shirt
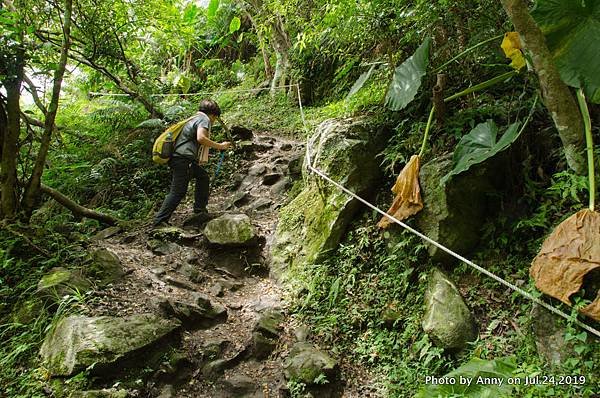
(186, 144)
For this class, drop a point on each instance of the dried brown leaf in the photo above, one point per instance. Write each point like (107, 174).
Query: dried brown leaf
(567, 255)
(408, 193)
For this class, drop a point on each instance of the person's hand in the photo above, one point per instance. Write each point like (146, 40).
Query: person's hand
(225, 145)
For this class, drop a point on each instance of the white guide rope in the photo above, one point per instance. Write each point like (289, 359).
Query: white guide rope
(436, 244)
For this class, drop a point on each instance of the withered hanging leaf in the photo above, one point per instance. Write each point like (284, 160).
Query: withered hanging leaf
(408, 193)
(567, 255)
(511, 45)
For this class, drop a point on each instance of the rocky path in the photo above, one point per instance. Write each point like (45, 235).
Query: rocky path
(189, 310)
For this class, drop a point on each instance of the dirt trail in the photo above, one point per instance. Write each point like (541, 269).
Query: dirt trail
(216, 358)
(228, 356)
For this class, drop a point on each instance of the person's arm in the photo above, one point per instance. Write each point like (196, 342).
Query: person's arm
(202, 138)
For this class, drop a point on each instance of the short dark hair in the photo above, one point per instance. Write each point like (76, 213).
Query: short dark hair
(209, 107)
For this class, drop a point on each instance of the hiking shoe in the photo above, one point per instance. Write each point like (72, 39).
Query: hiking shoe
(161, 224)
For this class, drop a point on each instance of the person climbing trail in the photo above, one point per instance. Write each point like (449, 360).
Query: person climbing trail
(189, 157)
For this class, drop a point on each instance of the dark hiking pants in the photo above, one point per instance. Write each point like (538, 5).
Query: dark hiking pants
(182, 171)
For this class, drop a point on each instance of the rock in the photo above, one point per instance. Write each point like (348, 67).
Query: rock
(106, 267)
(280, 186)
(105, 393)
(230, 230)
(550, 337)
(230, 284)
(197, 313)
(239, 384)
(161, 248)
(215, 367)
(295, 164)
(454, 211)
(158, 271)
(316, 219)
(271, 178)
(447, 318)
(173, 234)
(241, 133)
(239, 199)
(79, 341)
(266, 303)
(257, 170)
(301, 333)
(105, 234)
(191, 272)
(307, 363)
(178, 282)
(216, 290)
(262, 346)
(60, 281)
(269, 324)
(167, 391)
(261, 204)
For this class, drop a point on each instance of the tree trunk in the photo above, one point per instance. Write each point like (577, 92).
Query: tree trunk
(77, 209)
(11, 116)
(281, 44)
(32, 190)
(263, 50)
(557, 96)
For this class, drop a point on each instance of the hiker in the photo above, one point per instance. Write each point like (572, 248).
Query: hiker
(189, 156)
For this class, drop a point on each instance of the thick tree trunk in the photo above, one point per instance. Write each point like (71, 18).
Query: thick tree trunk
(12, 113)
(32, 190)
(281, 45)
(557, 96)
(77, 209)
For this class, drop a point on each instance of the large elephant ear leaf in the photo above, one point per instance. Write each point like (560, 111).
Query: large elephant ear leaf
(407, 78)
(572, 29)
(480, 144)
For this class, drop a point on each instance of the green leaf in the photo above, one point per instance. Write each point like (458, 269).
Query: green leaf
(572, 29)
(407, 78)
(476, 370)
(360, 82)
(480, 144)
(213, 6)
(235, 24)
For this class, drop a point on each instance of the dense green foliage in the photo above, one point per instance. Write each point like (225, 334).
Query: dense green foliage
(363, 301)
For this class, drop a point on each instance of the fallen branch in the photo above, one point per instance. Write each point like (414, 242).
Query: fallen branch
(76, 208)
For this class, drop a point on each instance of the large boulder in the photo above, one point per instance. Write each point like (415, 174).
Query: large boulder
(454, 209)
(230, 230)
(79, 341)
(316, 219)
(447, 318)
(60, 281)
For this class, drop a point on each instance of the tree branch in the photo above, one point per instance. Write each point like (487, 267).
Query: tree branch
(76, 208)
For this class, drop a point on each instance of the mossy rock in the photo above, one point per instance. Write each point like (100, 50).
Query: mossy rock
(455, 209)
(230, 230)
(78, 342)
(60, 282)
(447, 318)
(105, 267)
(105, 393)
(314, 222)
(307, 363)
